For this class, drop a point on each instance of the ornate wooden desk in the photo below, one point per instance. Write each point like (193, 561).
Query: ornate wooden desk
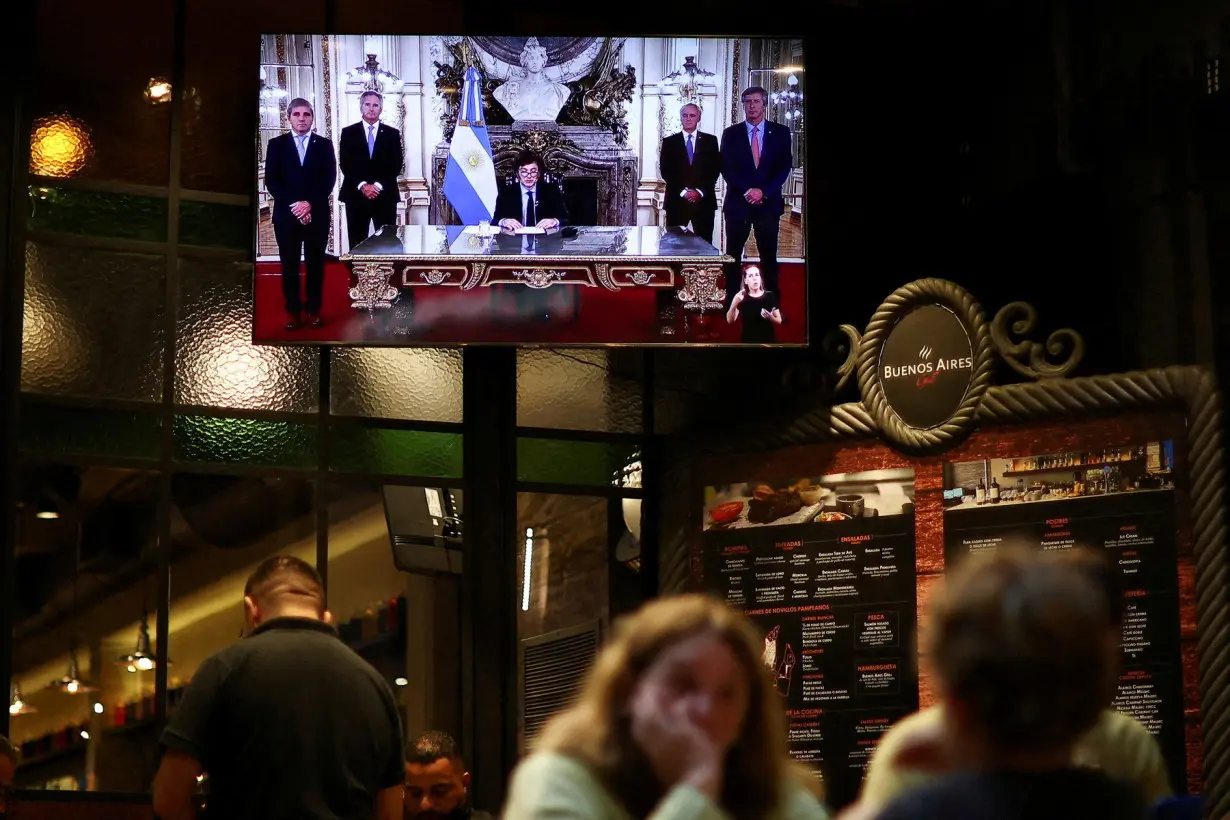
(680, 267)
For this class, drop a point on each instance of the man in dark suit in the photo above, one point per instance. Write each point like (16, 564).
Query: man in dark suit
(529, 202)
(300, 171)
(690, 164)
(756, 161)
(526, 202)
(371, 157)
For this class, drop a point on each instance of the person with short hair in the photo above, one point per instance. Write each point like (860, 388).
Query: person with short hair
(9, 757)
(914, 750)
(757, 159)
(300, 171)
(371, 158)
(690, 163)
(289, 722)
(437, 782)
(1025, 659)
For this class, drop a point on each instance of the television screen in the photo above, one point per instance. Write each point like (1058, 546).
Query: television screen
(571, 191)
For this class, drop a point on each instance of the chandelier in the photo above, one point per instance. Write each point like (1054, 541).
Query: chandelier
(685, 80)
(789, 101)
(370, 75)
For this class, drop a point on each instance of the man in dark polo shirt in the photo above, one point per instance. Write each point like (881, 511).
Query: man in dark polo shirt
(437, 783)
(289, 723)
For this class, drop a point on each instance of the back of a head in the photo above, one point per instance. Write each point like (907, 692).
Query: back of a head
(1021, 641)
(284, 582)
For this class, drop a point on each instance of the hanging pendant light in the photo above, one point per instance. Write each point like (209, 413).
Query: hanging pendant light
(142, 659)
(17, 705)
(71, 682)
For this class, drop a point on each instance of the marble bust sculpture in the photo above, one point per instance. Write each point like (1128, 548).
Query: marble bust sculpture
(534, 96)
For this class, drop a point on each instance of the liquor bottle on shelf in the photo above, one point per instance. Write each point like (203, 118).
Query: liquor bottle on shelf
(980, 495)
(994, 499)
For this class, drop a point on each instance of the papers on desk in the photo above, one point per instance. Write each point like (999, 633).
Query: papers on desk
(529, 230)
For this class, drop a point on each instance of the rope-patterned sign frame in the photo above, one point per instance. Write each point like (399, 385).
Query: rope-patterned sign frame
(1049, 396)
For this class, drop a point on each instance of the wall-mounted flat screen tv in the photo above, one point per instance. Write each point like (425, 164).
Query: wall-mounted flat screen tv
(567, 191)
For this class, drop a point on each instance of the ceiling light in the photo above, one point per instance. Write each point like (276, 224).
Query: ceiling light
(71, 682)
(142, 659)
(18, 705)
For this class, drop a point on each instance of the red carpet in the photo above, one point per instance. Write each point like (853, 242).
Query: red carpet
(446, 315)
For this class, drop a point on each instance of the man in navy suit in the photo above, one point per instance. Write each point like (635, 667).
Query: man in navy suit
(371, 157)
(756, 161)
(690, 164)
(300, 171)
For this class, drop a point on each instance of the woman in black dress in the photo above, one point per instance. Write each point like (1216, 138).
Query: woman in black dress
(759, 309)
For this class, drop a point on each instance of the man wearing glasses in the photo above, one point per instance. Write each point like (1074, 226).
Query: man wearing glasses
(8, 770)
(528, 203)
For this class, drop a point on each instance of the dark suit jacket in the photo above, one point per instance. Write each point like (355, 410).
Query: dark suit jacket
(678, 174)
(741, 174)
(549, 204)
(289, 182)
(383, 166)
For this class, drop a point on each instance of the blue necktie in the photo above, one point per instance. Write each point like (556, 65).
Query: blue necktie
(302, 148)
(371, 140)
(691, 153)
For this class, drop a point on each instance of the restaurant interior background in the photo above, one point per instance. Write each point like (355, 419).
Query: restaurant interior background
(1069, 154)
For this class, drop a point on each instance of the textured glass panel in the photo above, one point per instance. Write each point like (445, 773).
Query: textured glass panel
(220, 64)
(687, 380)
(244, 441)
(216, 363)
(356, 448)
(418, 384)
(551, 461)
(216, 226)
(576, 390)
(92, 115)
(94, 213)
(93, 323)
(88, 431)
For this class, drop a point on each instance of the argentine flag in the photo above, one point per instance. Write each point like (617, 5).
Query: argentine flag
(469, 179)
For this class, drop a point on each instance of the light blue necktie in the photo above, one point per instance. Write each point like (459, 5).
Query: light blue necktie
(302, 141)
(691, 153)
(371, 139)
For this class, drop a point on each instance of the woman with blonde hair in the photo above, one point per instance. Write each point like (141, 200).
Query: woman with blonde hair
(678, 720)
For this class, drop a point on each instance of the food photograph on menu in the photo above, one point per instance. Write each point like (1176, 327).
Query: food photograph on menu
(1116, 501)
(843, 497)
(825, 568)
(450, 190)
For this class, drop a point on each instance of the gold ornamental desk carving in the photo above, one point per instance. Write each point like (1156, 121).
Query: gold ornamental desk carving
(680, 268)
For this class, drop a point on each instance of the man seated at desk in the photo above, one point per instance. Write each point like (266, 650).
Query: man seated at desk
(526, 203)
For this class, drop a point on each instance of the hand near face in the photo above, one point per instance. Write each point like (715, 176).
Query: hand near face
(739, 297)
(679, 750)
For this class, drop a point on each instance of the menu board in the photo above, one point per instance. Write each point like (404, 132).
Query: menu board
(829, 579)
(1118, 501)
